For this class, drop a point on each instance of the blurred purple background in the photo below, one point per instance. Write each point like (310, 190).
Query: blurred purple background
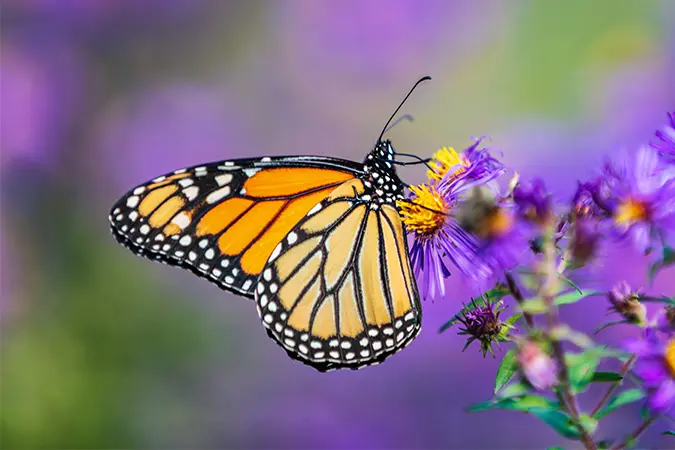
(104, 350)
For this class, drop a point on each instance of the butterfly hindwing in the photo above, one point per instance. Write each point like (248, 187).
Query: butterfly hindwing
(338, 290)
(223, 220)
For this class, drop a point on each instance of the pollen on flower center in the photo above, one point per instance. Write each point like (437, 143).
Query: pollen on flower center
(631, 211)
(445, 159)
(425, 214)
(670, 356)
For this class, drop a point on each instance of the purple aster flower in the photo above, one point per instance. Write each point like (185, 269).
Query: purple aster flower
(533, 202)
(482, 324)
(439, 240)
(656, 368)
(503, 237)
(537, 366)
(446, 162)
(639, 197)
(664, 143)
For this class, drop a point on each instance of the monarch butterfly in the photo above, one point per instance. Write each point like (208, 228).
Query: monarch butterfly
(317, 242)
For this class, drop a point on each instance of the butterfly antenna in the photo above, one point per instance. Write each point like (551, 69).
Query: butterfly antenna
(401, 104)
(407, 117)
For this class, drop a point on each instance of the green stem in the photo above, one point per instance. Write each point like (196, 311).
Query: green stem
(518, 295)
(550, 271)
(624, 370)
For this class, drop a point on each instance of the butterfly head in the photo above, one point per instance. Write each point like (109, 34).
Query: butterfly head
(380, 173)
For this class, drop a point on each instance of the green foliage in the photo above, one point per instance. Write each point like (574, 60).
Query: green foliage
(537, 305)
(557, 420)
(520, 403)
(565, 333)
(506, 369)
(543, 408)
(575, 296)
(610, 324)
(667, 259)
(534, 306)
(515, 389)
(624, 398)
(668, 433)
(498, 292)
(606, 377)
(507, 326)
(581, 368)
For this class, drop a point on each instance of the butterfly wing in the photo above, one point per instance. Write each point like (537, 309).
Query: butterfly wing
(338, 290)
(223, 220)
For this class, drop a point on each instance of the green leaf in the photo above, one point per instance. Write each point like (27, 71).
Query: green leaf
(506, 369)
(557, 420)
(668, 433)
(495, 294)
(668, 258)
(534, 306)
(609, 324)
(565, 333)
(574, 296)
(542, 408)
(515, 389)
(521, 403)
(571, 283)
(606, 377)
(555, 447)
(581, 367)
(507, 326)
(624, 398)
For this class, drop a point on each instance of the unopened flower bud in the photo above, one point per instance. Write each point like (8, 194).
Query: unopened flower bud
(482, 323)
(626, 302)
(537, 366)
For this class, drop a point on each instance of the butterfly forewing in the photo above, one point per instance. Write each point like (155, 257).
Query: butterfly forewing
(338, 290)
(223, 220)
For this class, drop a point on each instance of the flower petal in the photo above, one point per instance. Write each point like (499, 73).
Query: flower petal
(663, 398)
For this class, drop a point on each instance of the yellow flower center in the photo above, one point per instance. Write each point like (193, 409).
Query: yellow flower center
(445, 159)
(425, 214)
(631, 211)
(670, 356)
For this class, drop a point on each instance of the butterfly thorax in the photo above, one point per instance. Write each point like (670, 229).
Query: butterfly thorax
(380, 179)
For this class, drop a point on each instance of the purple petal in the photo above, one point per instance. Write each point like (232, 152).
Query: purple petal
(663, 398)
(653, 372)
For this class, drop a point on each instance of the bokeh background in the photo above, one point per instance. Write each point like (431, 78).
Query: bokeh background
(104, 350)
